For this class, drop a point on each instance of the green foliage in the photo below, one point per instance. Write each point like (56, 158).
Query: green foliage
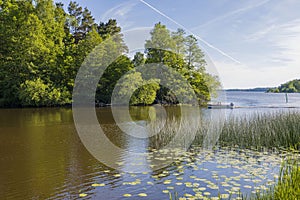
(182, 54)
(139, 59)
(37, 93)
(194, 55)
(110, 78)
(289, 87)
(80, 21)
(160, 40)
(196, 79)
(87, 45)
(39, 61)
(146, 94)
(288, 186)
(22, 52)
(178, 41)
(109, 28)
(139, 91)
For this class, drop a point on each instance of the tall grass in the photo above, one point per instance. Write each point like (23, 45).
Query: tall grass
(288, 185)
(277, 130)
(174, 133)
(274, 130)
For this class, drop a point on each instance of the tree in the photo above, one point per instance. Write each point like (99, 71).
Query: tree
(39, 61)
(87, 22)
(288, 87)
(86, 45)
(139, 91)
(182, 54)
(53, 19)
(37, 93)
(23, 51)
(146, 94)
(194, 56)
(110, 78)
(159, 44)
(178, 38)
(110, 28)
(80, 21)
(162, 47)
(138, 59)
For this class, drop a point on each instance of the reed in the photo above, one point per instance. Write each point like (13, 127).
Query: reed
(279, 130)
(288, 185)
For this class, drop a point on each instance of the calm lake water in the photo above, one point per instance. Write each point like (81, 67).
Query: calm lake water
(42, 157)
(248, 103)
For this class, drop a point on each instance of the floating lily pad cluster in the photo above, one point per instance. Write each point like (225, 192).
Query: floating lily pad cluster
(222, 173)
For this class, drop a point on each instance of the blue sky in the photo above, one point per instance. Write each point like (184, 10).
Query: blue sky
(249, 43)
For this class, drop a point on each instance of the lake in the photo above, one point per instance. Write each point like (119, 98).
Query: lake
(42, 157)
(248, 103)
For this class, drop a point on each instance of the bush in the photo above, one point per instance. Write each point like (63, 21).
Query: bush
(37, 93)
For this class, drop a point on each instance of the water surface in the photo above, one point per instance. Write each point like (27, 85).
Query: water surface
(41, 156)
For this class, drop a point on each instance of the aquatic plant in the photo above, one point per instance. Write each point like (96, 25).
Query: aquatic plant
(276, 130)
(288, 186)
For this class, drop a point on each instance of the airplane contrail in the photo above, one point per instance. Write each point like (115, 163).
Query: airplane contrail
(190, 32)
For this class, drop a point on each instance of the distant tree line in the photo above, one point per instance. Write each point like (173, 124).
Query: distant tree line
(259, 89)
(42, 46)
(288, 87)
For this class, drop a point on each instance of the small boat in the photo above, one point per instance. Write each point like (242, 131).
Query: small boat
(220, 105)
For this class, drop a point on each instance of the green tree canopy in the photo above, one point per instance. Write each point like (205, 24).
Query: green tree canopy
(42, 47)
(183, 54)
(288, 87)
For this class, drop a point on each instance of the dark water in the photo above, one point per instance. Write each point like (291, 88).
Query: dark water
(42, 157)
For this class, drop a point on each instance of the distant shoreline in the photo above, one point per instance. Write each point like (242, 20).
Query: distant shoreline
(248, 90)
(266, 90)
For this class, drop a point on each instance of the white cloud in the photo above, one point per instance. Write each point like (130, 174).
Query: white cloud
(287, 40)
(120, 12)
(233, 75)
(280, 44)
(261, 33)
(279, 61)
(232, 13)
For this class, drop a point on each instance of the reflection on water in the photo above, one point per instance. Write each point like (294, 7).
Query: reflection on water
(41, 156)
(165, 132)
(39, 152)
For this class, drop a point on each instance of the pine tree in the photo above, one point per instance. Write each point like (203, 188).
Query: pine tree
(75, 17)
(110, 28)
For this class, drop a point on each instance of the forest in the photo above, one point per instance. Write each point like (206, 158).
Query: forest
(42, 46)
(288, 87)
